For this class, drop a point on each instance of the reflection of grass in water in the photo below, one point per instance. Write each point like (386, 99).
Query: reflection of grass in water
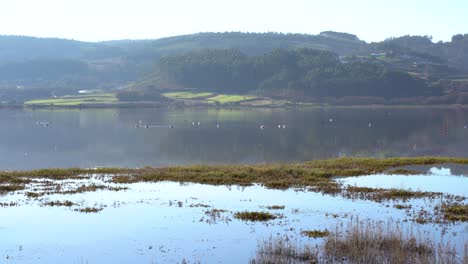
(223, 115)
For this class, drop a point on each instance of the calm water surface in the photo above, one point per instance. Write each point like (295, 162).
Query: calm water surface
(163, 223)
(108, 137)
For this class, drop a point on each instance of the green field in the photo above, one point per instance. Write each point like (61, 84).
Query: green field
(210, 98)
(187, 95)
(105, 98)
(230, 99)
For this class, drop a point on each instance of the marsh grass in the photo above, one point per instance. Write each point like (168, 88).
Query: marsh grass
(380, 195)
(317, 176)
(275, 207)
(59, 203)
(361, 242)
(89, 210)
(254, 216)
(402, 206)
(283, 250)
(378, 242)
(455, 212)
(4, 189)
(315, 233)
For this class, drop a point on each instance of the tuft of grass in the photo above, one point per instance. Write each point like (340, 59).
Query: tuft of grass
(368, 242)
(34, 195)
(4, 189)
(283, 250)
(379, 194)
(315, 233)
(59, 203)
(455, 212)
(275, 207)
(402, 206)
(89, 210)
(254, 216)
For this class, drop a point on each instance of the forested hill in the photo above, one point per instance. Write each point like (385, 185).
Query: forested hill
(292, 73)
(327, 64)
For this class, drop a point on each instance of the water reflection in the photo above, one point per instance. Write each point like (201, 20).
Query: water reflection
(108, 137)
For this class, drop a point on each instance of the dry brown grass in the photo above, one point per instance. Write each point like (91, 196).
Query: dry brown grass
(283, 250)
(377, 242)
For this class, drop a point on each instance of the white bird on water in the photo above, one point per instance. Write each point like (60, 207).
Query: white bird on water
(218, 125)
(370, 124)
(262, 126)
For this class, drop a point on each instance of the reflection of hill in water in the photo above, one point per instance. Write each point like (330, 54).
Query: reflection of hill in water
(310, 135)
(108, 137)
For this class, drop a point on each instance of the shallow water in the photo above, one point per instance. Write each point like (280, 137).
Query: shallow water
(438, 179)
(147, 224)
(108, 137)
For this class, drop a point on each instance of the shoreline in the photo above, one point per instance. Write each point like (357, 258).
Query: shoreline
(179, 106)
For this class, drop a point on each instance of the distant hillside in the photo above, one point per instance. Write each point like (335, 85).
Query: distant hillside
(251, 43)
(15, 48)
(58, 66)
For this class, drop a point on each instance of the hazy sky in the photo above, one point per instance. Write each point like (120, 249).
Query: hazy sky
(94, 20)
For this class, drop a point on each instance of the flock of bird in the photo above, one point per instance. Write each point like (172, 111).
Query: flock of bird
(140, 124)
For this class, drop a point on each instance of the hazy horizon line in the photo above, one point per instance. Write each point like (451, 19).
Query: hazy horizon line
(215, 32)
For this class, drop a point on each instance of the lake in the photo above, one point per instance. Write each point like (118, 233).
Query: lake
(72, 221)
(110, 137)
